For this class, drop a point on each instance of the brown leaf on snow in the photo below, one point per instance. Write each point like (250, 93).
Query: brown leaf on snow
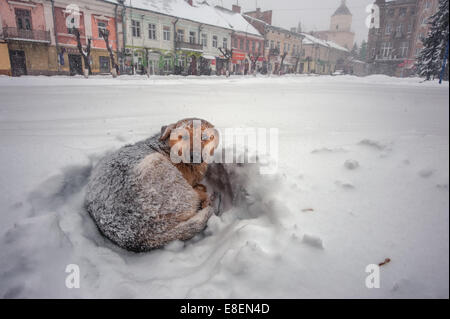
(386, 261)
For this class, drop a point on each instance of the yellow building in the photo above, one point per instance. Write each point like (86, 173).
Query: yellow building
(5, 64)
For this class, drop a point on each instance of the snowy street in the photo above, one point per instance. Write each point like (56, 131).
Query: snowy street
(363, 176)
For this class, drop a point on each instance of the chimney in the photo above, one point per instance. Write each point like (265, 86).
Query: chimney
(236, 8)
(190, 2)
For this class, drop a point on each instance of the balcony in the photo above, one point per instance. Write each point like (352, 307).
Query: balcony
(274, 52)
(189, 46)
(26, 35)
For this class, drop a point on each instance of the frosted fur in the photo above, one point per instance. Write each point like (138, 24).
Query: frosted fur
(140, 201)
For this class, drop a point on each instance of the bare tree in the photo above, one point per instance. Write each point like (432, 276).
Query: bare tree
(254, 60)
(227, 54)
(297, 60)
(84, 53)
(283, 56)
(115, 67)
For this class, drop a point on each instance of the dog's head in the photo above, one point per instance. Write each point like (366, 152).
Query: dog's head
(194, 134)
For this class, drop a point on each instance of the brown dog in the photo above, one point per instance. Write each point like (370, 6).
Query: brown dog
(183, 135)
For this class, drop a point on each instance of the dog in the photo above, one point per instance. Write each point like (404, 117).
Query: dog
(141, 198)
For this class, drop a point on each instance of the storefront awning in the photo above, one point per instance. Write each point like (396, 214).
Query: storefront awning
(238, 56)
(209, 57)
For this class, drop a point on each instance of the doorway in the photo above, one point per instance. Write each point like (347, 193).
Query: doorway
(18, 62)
(75, 64)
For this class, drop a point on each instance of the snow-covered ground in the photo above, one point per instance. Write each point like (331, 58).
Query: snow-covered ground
(363, 176)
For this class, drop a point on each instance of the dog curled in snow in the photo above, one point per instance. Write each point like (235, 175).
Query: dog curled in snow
(143, 196)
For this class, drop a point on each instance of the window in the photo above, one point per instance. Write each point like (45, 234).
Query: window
(388, 28)
(104, 64)
(225, 43)
(241, 44)
(166, 64)
(386, 49)
(427, 5)
(404, 49)
(412, 11)
(278, 45)
(136, 28)
(391, 12)
(180, 35)
(191, 37)
(247, 45)
(70, 27)
(285, 48)
(272, 44)
(152, 31)
(402, 12)
(23, 19)
(424, 20)
(236, 43)
(204, 39)
(399, 29)
(214, 41)
(410, 27)
(101, 28)
(266, 43)
(166, 33)
(253, 46)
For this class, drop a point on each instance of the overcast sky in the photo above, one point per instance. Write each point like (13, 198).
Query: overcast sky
(313, 14)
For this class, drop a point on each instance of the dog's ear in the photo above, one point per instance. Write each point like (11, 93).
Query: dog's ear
(165, 131)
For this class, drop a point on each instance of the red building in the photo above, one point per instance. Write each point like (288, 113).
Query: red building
(89, 18)
(247, 43)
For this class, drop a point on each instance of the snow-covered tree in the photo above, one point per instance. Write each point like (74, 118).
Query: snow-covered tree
(430, 59)
(363, 50)
(355, 50)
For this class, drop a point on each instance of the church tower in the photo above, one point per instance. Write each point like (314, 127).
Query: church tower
(341, 20)
(340, 30)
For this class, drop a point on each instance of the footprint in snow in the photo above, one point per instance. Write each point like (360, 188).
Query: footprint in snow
(345, 185)
(425, 173)
(351, 164)
(313, 241)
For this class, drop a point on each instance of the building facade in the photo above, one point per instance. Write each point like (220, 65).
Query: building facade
(26, 34)
(89, 17)
(247, 43)
(321, 56)
(282, 47)
(425, 9)
(182, 37)
(40, 38)
(393, 47)
(340, 31)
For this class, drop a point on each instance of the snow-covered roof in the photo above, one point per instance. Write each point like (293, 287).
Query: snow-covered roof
(342, 10)
(200, 12)
(309, 39)
(336, 46)
(237, 21)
